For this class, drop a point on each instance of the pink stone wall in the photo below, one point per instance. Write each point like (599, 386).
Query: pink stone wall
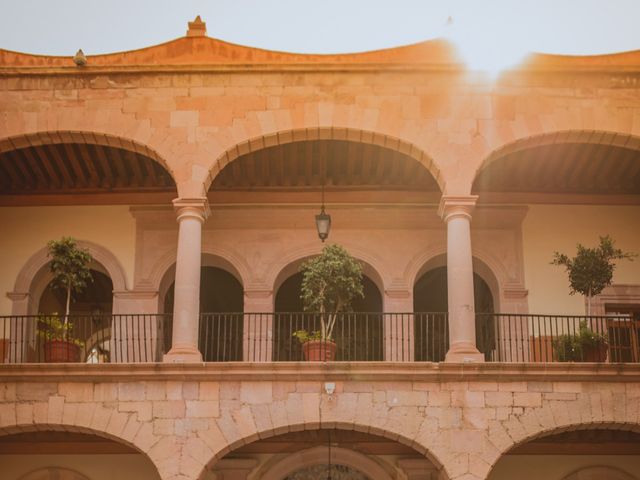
(184, 422)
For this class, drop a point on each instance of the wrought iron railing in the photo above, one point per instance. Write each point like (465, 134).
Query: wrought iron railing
(557, 338)
(268, 337)
(264, 337)
(82, 338)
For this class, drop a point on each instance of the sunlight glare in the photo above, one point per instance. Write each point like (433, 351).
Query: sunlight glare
(486, 50)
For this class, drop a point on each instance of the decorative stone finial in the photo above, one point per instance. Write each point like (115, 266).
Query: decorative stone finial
(79, 59)
(197, 28)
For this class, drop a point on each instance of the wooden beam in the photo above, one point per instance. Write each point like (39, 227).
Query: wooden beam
(108, 180)
(133, 162)
(122, 178)
(81, 178)
(89, 162)
(54, 177)
(26, 155)
(16, 181)
(151, 178)
(80, 198)
(54, 153)
(28, 180)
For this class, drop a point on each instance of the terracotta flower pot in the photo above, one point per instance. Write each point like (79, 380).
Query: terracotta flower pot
(61, 351)
(597, 353)
(319, 351)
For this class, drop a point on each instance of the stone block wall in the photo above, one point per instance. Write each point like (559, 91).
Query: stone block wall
(185, 418)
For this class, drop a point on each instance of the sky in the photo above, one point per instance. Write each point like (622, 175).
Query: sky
(481, 27)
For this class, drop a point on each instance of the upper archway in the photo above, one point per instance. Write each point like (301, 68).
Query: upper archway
(52, 165)
(355, 155)
(567, 162)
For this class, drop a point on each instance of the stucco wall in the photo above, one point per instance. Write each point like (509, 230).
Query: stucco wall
(556, 467)
(95, 467)
(111, 227)
(548, 228)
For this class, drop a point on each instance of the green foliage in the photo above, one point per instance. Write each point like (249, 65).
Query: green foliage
(70, 267)
(52, 327)
(330, 283)
(591, 270)
(572, 347)
(304, 336)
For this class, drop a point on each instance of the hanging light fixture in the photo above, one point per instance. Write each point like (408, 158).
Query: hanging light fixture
(323, 220)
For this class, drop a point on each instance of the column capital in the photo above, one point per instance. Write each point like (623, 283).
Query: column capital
(456, 206)
(197, 207)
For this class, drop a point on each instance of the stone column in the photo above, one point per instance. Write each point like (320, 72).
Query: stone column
(456, 212)
(191, 214)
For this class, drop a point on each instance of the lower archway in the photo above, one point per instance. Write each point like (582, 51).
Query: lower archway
(590, 452)
(67, 455)
(312, 454)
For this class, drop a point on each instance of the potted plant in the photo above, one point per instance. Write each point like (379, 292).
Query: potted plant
(70, 268)
(585, 346)
(591, 270)
(330, 283)
(59, 345)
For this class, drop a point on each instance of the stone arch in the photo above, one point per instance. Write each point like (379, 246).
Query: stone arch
(596, 473)
(318, 455)
(82, 137)
(212, 256)
(325, 133)
(489, 268)
(288, 265)
(34, 276)
(521, 432)
(128, 434)
(596, 137)
(221, 448)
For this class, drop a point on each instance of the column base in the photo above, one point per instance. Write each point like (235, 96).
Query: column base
(464, 353)
(183, 355)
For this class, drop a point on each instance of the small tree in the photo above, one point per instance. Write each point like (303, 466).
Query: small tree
(330, 283)
(70, 268)
(591, 270)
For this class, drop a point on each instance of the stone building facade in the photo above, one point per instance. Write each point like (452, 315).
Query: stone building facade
(200, 162)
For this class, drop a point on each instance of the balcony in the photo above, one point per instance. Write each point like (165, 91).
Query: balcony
(359, 337)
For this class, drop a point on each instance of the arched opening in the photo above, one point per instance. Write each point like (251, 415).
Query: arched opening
(90, 315)
(312, 454)
(221, 319)
(568, 162)
(430, 294)
(52, 167)
(359, 335)
(67, 455)
(341, 156)
(96, 299)
(582, 453)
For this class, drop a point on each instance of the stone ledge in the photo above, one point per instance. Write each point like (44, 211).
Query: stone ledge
(297, 371)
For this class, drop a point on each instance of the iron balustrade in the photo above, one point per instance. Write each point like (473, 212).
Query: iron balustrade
(268, 337)
(555, 338)
(82, 338)
(359, 336)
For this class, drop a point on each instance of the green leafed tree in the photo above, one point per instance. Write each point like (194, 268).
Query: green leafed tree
(70, 267)
(330, 283)
(591, 270)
